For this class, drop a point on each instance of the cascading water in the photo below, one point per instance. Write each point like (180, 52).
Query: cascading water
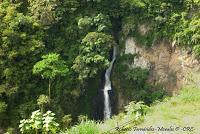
(107, 87)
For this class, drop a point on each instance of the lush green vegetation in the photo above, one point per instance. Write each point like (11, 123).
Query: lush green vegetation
(64, 46)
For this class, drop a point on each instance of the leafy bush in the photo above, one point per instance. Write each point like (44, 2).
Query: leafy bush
(39, 123)
(137, 75)
(42, 101)
(188, 33)
(66, 121)
(82, 118)
(85, 23)
(3, 106)
(126, 57)
(138, 109)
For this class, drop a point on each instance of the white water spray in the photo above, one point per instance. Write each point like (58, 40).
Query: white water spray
(107, 87)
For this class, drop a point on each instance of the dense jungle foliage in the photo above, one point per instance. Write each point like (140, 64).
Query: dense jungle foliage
(53, 52)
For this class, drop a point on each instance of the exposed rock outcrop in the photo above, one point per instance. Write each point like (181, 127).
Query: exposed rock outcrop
(169, 65)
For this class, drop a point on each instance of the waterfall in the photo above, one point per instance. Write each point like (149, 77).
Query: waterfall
(107, 87)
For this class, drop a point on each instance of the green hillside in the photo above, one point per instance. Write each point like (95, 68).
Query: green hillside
(180, 111)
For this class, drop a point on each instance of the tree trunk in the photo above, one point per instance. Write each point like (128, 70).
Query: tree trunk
(49, 90)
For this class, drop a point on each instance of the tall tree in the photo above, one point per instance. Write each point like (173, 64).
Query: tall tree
(49, 67)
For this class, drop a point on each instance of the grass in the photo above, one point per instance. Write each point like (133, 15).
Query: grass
(87, 127)
(109, 125)
(182, 110)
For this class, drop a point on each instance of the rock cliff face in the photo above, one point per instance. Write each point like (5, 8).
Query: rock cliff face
(169, 65)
